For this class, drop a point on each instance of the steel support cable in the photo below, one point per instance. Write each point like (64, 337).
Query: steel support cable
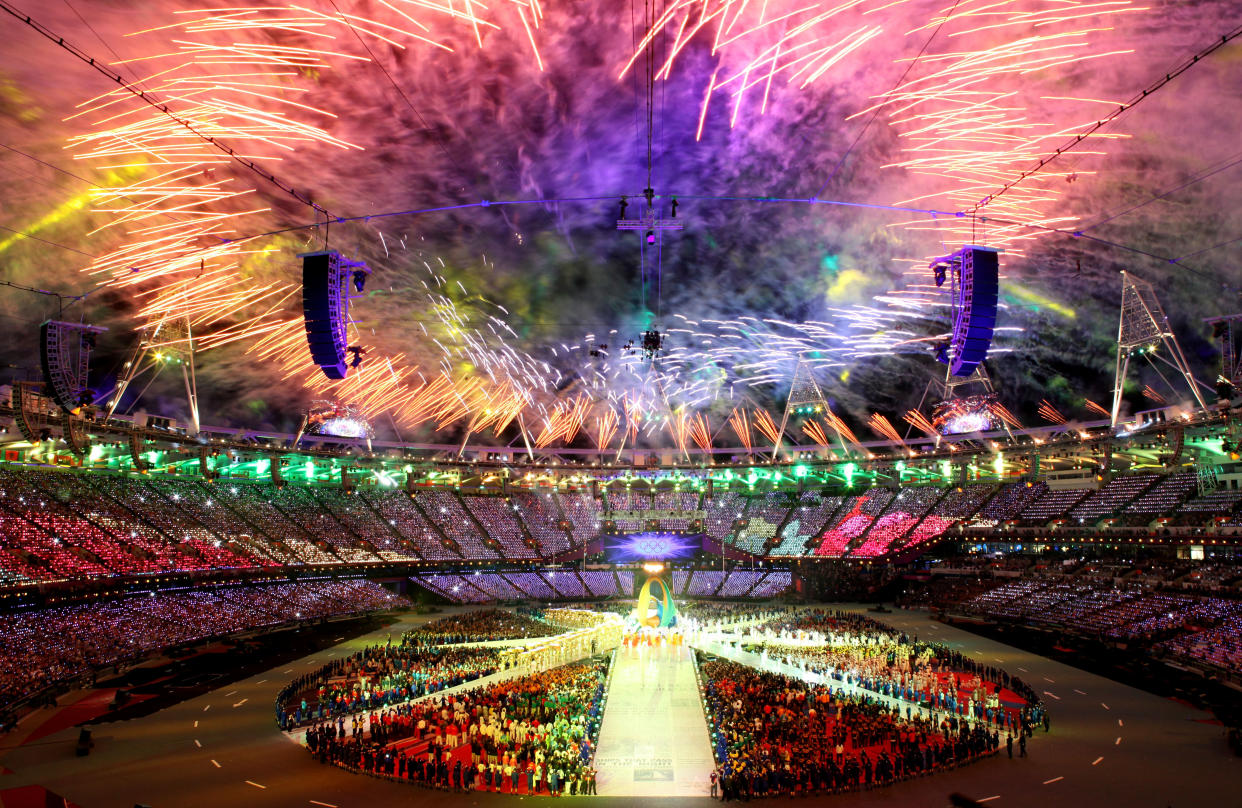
(1158, 84)
(152, 101)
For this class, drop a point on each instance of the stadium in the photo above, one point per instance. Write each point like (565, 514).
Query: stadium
(431, 402)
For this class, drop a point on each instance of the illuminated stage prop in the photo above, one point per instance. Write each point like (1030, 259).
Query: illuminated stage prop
(665, 615)
(962, 416)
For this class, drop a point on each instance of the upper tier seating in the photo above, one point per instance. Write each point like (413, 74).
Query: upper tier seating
(356, 514)
(1109, 499)
(1008, 502)
(722, 511)
(807, 521)
(906, 510)
(443, 508)
(1163, 497)
(583, 512)
(500, 522)
(408, 520)
(1052, 504)
(764, 515)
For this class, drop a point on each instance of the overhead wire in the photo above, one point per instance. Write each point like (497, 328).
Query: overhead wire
(49, 165)
(1140, 96)
(397, 87)
(151, 100)
(46, 241)
(1162, 194)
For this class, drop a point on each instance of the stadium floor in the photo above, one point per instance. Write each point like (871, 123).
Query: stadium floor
(1110, 745)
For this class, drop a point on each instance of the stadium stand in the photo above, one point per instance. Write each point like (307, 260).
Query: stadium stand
(1163, 497)
(542, 519)
(1112, 497)
(357, 516)
(1052, 504)
(1009, 501)
(500, 522)
(807, 521)
(408, 520)
(446, 511)
(764, 516)
(721, 512)
(43, 647)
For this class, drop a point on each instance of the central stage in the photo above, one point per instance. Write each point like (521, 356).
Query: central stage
(653, 741)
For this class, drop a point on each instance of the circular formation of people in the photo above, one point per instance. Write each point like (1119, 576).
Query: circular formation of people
(797, 703)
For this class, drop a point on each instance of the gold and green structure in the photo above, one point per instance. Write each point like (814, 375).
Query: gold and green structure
(655, 607)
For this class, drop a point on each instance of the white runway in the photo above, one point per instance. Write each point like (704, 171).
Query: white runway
(654, 740)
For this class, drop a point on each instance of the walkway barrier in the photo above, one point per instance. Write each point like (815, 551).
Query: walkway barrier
(589, 633)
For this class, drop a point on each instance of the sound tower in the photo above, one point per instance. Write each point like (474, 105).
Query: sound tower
(975, 272)
(64, 354)
(325, 307)
(976, 310)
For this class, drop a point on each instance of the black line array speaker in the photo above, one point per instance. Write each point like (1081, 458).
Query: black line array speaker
(324, 308)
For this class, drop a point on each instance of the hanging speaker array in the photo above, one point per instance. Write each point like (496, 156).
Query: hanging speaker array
(326, 277)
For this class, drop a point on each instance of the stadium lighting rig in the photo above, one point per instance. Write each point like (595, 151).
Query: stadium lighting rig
(650, 223)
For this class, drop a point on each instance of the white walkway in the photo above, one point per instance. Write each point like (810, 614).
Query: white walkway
(653, 741)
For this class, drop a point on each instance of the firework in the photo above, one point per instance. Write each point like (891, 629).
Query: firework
(237, 76)
(740, 425)
(700, 432)
(1050, 413)
(762, 421)
(882, 426)
(1097, 409)
(605, 427)
(920, 422)
(816, 432)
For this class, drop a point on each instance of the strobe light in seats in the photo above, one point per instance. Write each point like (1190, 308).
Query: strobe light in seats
(326, 276)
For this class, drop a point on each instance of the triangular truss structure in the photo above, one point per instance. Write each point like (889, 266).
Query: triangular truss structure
(167, 343)
(1142, 329)
(804, 395)
(1228, 330)
(948, 388)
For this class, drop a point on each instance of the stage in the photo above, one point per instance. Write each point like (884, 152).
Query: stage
(653, 741)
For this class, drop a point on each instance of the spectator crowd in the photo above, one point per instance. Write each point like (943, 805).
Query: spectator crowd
(40, 648)
(481, 626)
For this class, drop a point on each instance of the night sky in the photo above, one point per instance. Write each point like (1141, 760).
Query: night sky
(441, 126)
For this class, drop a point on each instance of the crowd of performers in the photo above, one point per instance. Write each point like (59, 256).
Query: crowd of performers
(856, 650)
(482, 626)
(775, 735)
(532, 734)
(382, 675)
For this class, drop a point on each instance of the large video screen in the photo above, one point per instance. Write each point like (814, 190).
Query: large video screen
(651, 546)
